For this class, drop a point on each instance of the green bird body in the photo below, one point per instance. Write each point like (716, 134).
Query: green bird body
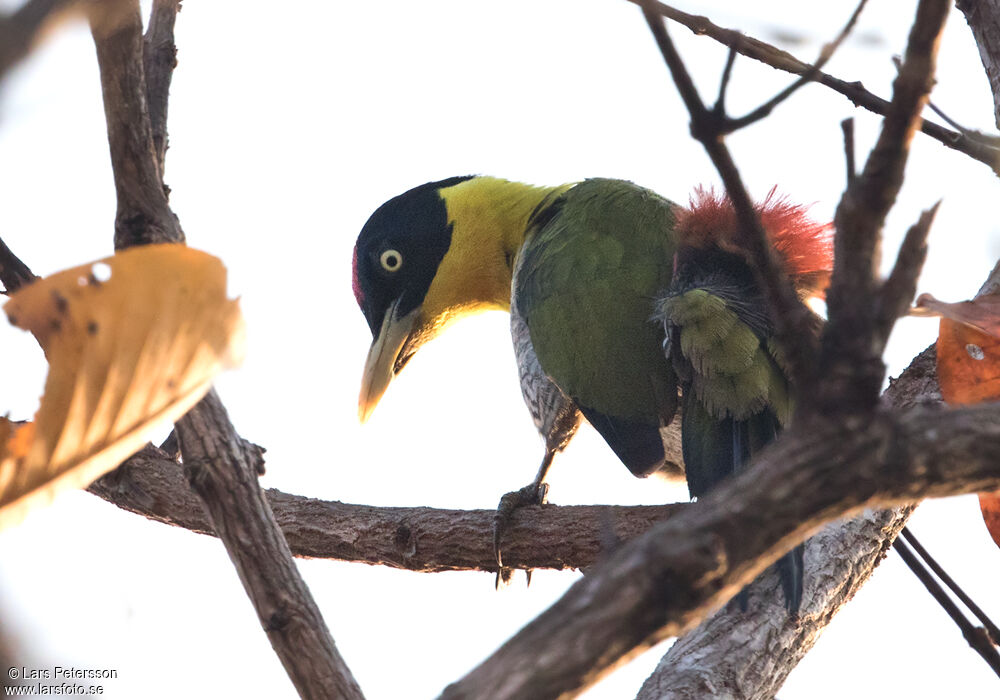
(600, 278)
(585, 278)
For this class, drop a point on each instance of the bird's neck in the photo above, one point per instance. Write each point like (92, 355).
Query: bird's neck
(489, 218)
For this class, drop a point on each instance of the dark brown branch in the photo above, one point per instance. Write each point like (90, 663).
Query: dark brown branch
(847, 126)
(977, 637)
(983, 17)
(220, 466)
(751, 653)
(807, 76)
(665, 581)
(897, 291)
(143, 213)
(854, 91)
(854, 337)
(991, 628)
(159, 56)
(222, 472)
(14, 274)
(19, 30)
(793, 321)
(416, 539)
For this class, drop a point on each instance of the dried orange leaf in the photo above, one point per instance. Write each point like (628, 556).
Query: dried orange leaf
(133, 341)
(968, 363)
(982, 313)
(989, 503)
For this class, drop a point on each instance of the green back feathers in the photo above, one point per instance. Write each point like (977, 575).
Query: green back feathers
(590, 268)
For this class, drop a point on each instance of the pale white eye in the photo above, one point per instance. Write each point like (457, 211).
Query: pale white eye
(391, 260)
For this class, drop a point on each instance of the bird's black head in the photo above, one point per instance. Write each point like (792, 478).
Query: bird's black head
(396, 258)
(399, 250)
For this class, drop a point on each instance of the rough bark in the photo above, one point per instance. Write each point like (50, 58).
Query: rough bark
(736, 655)
(416, 539)
(983, 17)
(977, 146)
(220, 466)
(143, 215)
(222, 472)
(667, 580)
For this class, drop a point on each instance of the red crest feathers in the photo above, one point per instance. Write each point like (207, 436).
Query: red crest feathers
(804, 246)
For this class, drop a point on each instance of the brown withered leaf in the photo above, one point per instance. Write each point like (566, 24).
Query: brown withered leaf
(133, 341)
(981, 313)
(968, 365)
(989, 503)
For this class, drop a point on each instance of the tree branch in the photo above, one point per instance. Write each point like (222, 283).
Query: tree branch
(14, 274)
(423, 539)
(220, 466)
(854, 91)
(221, 471)
(143, 216)
(19, 30)
(750, 654)
(670, 578)
(793, 321)
(159, 57)
(983, 17)
(854, 336)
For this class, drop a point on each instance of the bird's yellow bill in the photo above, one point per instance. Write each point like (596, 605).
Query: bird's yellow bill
(380, 366)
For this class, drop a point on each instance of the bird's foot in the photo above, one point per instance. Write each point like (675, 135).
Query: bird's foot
(534, 494)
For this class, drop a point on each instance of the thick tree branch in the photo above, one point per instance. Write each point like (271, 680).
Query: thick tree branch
(854, 91)
(859, 316)
(748, 655)
(150, 483)
(220, 466)
(667, 580)
(983, 17)
(143, 216)
(159, 57)
(222, 472)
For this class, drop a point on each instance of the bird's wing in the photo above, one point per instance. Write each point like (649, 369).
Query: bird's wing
(555, 415)
(735, 395)
(587, 275)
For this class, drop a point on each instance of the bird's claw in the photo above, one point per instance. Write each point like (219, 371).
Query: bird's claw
(533, 494)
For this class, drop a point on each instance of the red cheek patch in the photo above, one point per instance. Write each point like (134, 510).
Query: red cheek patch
(355, 282)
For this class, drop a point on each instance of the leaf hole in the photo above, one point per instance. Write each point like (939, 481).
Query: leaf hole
(975, 352)
(100, 271)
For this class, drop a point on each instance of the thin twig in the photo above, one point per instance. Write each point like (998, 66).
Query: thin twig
(847, 126)
(988, 624)
(727, 73)
(14, 274)
(977, 637)
(854, 91)
(897, 291)
(853, 338)
(807, 77)
(793, 321)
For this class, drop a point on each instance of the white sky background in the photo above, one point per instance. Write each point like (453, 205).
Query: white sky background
(288, 125)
